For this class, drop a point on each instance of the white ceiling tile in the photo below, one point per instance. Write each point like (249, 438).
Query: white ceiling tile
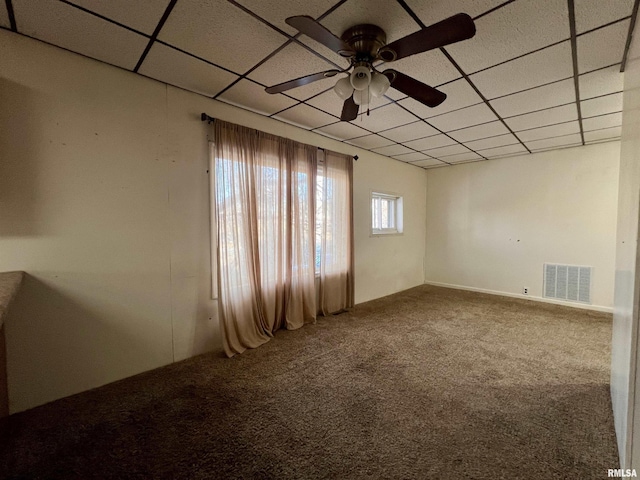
(331, 103)
(327, 101)
(291, 62)
(431, 67)
(461, 157)
(224, 34)
(480, 131)
(459, 95)
(503, 151)
(593, 13)
(550, 131)
(434, 141)
(492, 142)
(175, 68)
(601, 105)
(389, 16)
(409, 132)
(4, 17)
(305, 117)
(430, 163)
(541, 118)
(220, 32)
(435, 10)
(512, 30)
(602, 47)
(78, 31)
(548, 65)
(276, 12)
(252, 96)
(603, 121)
(601, 82)
(555, 142)
(142, 16)
(343, 131)
(370, 141)
(395, 94)
(411, 157)
(558, 93)
(449, 150)
(465, 117)
(384, 118)
(603, 134)
(390, 150)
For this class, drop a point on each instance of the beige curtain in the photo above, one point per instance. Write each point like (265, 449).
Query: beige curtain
(265, 200)
(334, 232)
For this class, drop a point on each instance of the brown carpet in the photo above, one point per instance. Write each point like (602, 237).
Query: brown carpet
(430, 383)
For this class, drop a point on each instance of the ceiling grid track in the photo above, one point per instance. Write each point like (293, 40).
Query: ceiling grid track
(491, 10)
(574, 58)
(523, 117)
(102, 17)
(282, 32)
(12, 17)
(537, 50)
(627, 45)
(484, 99)
(381, 132)
(464, 75)
(155, 34)
(439, 130)
(393, 142)
(277, 50)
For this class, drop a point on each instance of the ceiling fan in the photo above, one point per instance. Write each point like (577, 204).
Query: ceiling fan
(366, 45)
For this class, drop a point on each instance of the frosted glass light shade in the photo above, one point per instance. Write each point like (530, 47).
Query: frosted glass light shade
(360, 78)
(379, 85)
(362, 97)
(343, 88)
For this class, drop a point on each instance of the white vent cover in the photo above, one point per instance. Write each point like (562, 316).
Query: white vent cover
(567, 282)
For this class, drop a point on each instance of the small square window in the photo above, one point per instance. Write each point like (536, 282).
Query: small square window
(386, 213)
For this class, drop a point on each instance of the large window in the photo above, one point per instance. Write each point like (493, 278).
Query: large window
(386, 213)
(284, 233)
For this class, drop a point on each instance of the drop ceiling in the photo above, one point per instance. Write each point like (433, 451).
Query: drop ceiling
(538, 75)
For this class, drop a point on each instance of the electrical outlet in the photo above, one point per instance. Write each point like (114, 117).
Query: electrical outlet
(525, 290)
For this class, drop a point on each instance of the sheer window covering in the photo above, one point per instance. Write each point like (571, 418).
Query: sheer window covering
(266, 218)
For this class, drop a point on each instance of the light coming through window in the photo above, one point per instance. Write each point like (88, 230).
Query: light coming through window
(386, 213)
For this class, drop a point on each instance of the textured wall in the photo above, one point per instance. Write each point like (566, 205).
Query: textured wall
(104, 202)
(492, 225)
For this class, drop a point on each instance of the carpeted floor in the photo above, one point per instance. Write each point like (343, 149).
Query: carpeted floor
(430, 383)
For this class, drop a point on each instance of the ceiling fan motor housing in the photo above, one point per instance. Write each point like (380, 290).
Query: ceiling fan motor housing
(365, 40)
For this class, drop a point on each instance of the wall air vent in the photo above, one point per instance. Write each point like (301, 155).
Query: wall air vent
(567, 282)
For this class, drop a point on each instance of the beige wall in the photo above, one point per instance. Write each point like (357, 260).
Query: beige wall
(492, 225)
(104, 201)
(625, 316)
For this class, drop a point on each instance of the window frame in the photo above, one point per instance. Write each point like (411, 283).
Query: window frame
(397, 202)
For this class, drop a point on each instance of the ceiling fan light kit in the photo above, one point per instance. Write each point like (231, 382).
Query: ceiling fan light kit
(343, 88)
(362, 97)
(363, 45)
(379, 85)
(360, 77)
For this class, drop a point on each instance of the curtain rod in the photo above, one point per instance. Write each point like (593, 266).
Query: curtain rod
(206, 118)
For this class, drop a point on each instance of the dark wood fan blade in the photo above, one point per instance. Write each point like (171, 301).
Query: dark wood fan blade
(423, 93)
(298, 82)
(349, 110)
(450, 30)
(312, 29)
